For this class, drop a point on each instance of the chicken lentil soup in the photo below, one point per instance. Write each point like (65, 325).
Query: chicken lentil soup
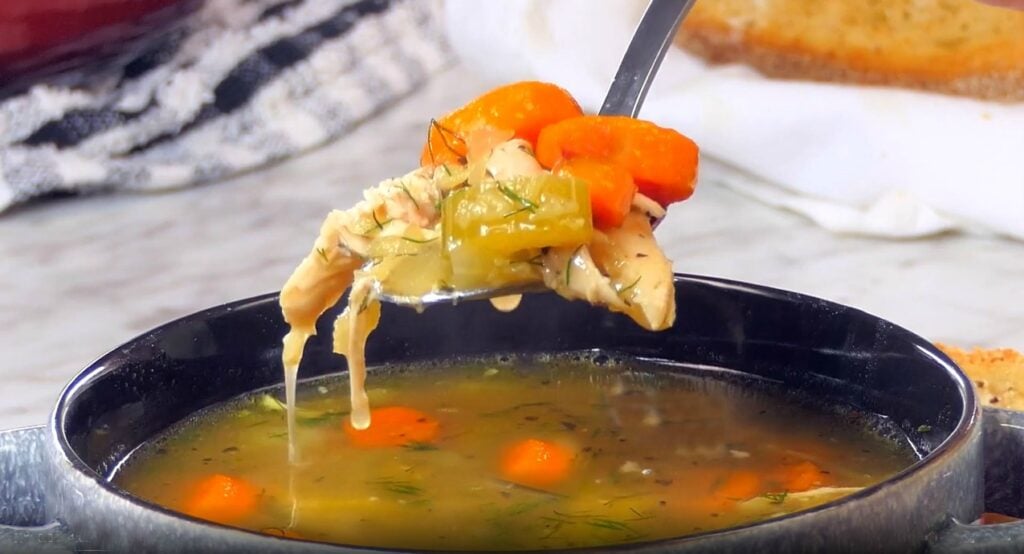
(509, 455)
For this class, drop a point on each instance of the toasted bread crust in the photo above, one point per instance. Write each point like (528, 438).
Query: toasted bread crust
(951, 46)
(998, 374)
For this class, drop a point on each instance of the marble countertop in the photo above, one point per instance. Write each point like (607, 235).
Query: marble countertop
(81, 275)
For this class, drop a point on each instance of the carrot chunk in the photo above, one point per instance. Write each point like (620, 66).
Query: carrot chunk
(536, 463)
(739, 486)
(611, 188)
(801, 477)
(524, 108)
(223, 499)
(663, 162)
(394, 426)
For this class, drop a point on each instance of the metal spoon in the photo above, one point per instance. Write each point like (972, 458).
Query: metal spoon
(651, 40)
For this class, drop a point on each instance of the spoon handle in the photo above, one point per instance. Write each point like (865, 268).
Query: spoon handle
(652, 38)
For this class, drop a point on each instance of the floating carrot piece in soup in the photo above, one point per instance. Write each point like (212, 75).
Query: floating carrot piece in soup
(524, 108)
(223, 499)
(801, 477)
(739, 486)
(536, 463)
(394, 426)
(662, 161)
(611, 188)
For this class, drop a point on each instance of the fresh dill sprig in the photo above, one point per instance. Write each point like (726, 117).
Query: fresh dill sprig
(611, 524)
(323, 254)
(419, 241)
(398, 487)
(511, 195)
(775, 497)
(640, 516)
(630, 286)
(364, 304)
(405, 189)
(441, 130)
(380, 226)
(519, 211)
(416, 446)
(320, 419)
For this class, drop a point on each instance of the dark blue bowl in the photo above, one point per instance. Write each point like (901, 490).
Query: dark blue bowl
(811, 346)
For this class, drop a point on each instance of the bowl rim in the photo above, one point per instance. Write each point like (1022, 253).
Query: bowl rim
(967, 424)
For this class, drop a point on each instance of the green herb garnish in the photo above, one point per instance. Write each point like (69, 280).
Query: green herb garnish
(323, 254)
(775, 497)
(605, 523)
(615, 499)
(320, 419)
(523, 507)
(409, 194)
(398, 487)
(640, 515)
(519, 211)
(416, 446)
(419, 241)
(511, 195)
(380, 225)
(364, 304)
(630, 286)
(924, 428)
(511, 409)
(441, 130)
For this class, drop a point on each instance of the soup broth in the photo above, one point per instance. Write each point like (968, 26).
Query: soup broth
(508, 455)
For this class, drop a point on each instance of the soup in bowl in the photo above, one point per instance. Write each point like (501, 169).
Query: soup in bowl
(507, 453)
(693, 393)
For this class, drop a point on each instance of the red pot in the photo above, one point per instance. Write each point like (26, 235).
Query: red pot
(72, 38)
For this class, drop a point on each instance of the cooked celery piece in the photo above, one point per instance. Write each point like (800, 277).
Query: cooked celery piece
(493, 232)
(415, 261)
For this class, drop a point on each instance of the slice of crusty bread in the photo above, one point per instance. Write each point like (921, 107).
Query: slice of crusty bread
(998, 374)
(953, 46)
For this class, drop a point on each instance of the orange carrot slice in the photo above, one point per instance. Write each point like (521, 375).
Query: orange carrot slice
(394, 426)
(739, 486)
(223, 499)
(524, 108)
(801, 477)
(611, 188)
(663, 162)
(536, 463)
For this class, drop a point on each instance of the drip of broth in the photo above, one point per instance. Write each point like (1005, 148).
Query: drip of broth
(656, 453)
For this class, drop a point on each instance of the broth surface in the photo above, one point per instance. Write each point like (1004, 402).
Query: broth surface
(654, 455)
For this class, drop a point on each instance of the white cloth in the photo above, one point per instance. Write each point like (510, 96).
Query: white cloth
(250, 82)
(870, 160)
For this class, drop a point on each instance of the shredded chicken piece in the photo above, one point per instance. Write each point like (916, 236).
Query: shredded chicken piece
(622, 269)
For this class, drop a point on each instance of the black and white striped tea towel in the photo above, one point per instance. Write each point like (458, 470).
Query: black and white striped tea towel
(250, 82)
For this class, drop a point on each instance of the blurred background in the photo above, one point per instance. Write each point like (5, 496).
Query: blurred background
(161, 156)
